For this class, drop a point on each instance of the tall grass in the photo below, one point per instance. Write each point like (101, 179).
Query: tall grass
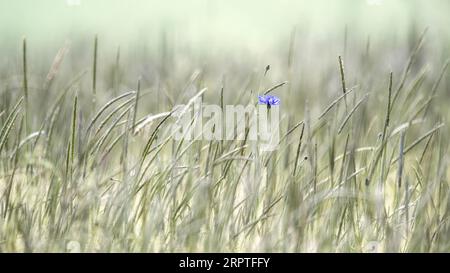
(361, 165)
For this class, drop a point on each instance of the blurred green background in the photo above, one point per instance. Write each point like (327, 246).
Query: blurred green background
(258, 25)
(165, 42)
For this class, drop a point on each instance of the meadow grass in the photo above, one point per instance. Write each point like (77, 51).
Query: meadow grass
(361, 166)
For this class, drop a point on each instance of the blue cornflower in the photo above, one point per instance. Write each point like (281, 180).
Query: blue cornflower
(269, 100)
